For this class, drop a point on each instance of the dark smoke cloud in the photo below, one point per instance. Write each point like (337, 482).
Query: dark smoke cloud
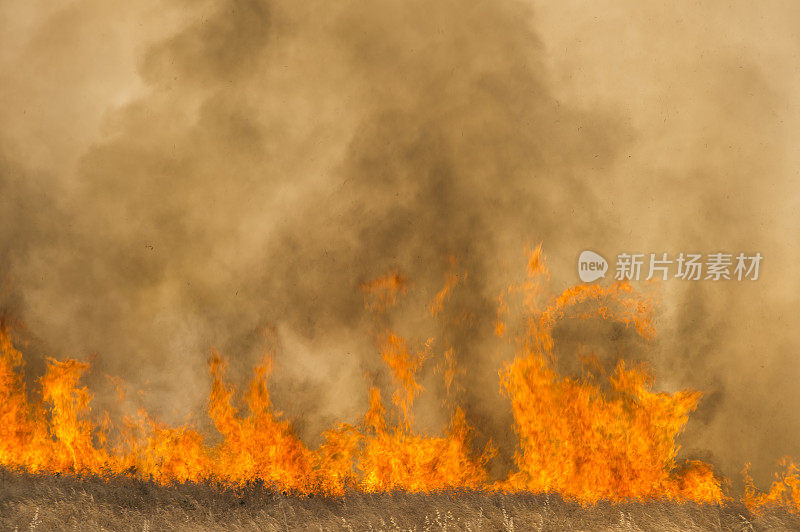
(175, 178)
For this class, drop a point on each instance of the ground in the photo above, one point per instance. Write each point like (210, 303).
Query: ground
(50, 502)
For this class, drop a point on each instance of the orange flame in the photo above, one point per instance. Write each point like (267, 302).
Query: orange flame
(381, 293)
(581, 442)
(783, 493)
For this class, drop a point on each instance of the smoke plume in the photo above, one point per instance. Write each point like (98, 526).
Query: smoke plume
(176, 177)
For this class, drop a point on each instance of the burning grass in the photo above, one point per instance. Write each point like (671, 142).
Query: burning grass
(586, 438)
(54, 502)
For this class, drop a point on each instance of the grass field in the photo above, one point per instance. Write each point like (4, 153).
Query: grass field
(48, 502)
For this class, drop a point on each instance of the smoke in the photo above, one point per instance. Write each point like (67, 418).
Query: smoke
(175, 178)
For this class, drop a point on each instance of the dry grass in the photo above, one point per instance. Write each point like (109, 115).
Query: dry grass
(48, 502)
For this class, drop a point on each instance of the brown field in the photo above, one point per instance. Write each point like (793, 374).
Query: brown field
(50, 502)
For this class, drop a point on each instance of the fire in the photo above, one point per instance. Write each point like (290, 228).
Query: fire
(579, 441)
(380, 294)
(783, 493)
(586, 437)
(396, 458)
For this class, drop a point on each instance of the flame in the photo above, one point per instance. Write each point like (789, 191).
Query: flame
(582, 442)
(380, 294)
(396, 458)
(437, 304)
(586, 437)
(783, 493)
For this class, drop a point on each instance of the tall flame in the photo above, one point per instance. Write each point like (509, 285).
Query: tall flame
(579, 441)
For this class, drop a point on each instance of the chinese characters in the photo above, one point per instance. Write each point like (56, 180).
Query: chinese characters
(688, 266)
